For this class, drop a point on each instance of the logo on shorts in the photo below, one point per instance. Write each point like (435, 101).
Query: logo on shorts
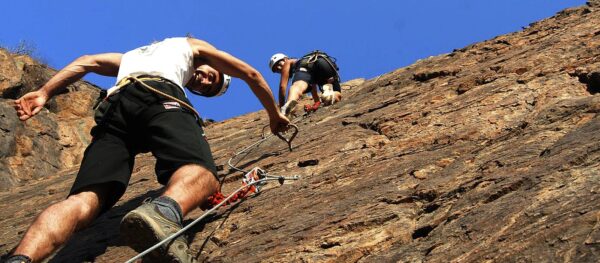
(171, 105)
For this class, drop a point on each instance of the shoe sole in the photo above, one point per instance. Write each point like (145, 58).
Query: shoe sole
(137, 230)
(291, 108)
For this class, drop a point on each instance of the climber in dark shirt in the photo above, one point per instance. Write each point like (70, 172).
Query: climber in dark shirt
(315, 68)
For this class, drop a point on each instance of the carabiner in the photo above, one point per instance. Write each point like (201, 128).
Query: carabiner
(289, 141)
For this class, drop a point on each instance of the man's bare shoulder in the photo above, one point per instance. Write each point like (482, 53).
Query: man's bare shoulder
(199, 45)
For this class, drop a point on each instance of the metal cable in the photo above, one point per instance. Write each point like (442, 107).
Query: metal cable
(244, 150)
(171, 237)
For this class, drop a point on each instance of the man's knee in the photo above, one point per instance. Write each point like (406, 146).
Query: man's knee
(86, 204)
(298, 87)
(194, 173)
(213, 184)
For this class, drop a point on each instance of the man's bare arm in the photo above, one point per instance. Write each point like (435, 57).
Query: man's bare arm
(314, 92)
(235, 67)
(285, 76)
(106, 64)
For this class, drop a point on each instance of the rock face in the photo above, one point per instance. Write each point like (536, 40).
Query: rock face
(487, 154)
(53, 140)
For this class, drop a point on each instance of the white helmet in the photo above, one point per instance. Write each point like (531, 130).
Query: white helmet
(224, 86)
(276, 58)
(226, 81)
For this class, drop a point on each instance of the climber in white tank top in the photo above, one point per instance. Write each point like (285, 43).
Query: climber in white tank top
(140, 122)
(171, 59)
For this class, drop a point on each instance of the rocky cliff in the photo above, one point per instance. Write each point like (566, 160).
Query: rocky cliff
(52, 141)
(486, 154)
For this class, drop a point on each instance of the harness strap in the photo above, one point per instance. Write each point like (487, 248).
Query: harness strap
(183, 103)
(313, 56)
(129, 79)
(333, 66)
(106, 113)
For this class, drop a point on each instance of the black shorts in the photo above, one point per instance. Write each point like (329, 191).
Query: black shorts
(320, 72)
(134, 121)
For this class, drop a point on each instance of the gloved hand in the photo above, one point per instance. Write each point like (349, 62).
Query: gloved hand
(328, 96)
(308, 108)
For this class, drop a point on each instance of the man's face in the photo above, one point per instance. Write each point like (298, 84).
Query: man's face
(205, 80)
(278, 66)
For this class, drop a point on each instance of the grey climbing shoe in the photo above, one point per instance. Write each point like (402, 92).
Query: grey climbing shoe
(289, 109)
(18, 259)
(145, 226)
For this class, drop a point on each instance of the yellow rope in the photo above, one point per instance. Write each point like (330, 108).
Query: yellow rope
(185, 105)
(313, 58)
(123, 82)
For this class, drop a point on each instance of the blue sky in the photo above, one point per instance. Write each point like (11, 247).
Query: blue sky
(368, 38)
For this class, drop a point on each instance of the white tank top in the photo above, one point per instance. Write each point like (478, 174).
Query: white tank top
(171, 58)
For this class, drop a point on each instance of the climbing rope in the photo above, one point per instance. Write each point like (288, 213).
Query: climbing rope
(140, 79)
(184, 104)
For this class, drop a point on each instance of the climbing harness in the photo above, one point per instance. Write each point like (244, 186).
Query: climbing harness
(184, 104)
(307, 61)
(129, 79)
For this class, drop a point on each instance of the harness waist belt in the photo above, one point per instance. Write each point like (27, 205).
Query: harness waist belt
(131, 79)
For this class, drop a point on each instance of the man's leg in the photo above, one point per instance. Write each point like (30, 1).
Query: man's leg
(57, 223)
(190, 186)
(297, 89)
(184, 164)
